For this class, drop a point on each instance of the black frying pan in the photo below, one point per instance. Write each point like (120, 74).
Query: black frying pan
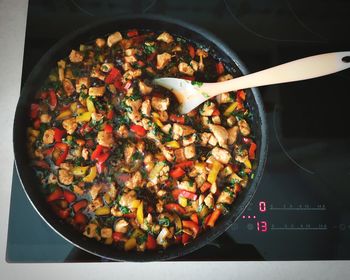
(39, 73)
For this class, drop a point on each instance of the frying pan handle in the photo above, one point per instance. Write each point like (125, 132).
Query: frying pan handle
(297, 70)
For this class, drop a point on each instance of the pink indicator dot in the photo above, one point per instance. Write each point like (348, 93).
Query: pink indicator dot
(248, 217)
(243, 217)
(254, 217)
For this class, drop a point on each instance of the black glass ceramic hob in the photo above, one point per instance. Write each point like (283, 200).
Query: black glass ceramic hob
(301, 210)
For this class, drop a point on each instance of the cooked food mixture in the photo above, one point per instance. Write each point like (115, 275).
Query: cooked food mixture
(117, 161)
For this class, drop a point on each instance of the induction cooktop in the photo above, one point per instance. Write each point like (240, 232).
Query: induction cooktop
(301, 210)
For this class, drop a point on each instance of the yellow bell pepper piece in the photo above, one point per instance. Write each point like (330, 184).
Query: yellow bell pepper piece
(91, 176)
(139, 213)
(104, 210)
(182, 201)
(230, 109)
(64, 115)
(135, 203)
(155, 171)
(172, 144)
(157, 120)
(90, 105)
(130, 244)
(107, 198)
(247, 163)
(69, 138)
(84, 117)
(80, 111)
(213, 173)
(80, 170)
(137, 233)
(73, 106)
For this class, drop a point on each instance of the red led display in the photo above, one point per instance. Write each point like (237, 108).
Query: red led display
(262, 226)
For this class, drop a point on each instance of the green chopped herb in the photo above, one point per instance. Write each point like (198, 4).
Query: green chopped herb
(164, 221)
(196, 83)
(124, 210)
(149, 49)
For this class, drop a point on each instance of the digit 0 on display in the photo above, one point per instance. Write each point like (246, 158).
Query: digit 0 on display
(262, 206)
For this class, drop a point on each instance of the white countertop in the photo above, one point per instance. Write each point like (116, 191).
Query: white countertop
(12, 31)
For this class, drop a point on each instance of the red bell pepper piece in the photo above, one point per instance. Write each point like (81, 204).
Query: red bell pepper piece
(178, 119)
(140, 63)
(117, 236)
(252, 149)
(206, 219)
(184, 193)
(151, 56)
(112, 76)
(85, 129)
(220, 69)
(63, 213)
(184, 164)
(213, 217)
(55, 195)
(185, 238)
(95, 154)
(37, 123)
(241, 94)
(191, 51)
(41, 164)
(194, 218)
(177, 172)
(151, 242)
(206, 186)
(80, 218)
(138, 130)
(52, 99)
(63, 148)
(34, 110)
(79, 205)
(216, 113)
(48, 152)
(108, 128)
(110, 115)
(69, 196)
(132, 33)
(175, 207)
(178, 238)
(43, 95)
(189, 78)
(130, 215)
(99, 167)
(59, 134)
(118, 85)
(192, 226)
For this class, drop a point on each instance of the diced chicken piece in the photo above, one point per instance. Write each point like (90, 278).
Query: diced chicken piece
(213, 188)
(194, 65)
(225, 78)
(181, 130)
(82, 84)
(163, 116)
(232, 134)
(123, 131)
(207, 109)
(66, 166)
(121, 226)
(65, 176)
(205, 122)
(179, 155)
(78, 190)
(70, 125)
(52, 179)
(162, 236)
(186, 69)
(144, 89)
(127, 199)
(162, 60)
(167, 152)
(235, 178)
(221, 155)
(189, 140)
(220, 134)
(130, 59)
(105, 139)
(132, 74)
(165, 37)
(128, 153)
(48, 136)
(68, 87)
(190, 151)
(96, 73)
(95, 190)
(90, 230)
(61, 66)
(114, 38)
(130, 52)
(166, 128)
(97, 91)
(148, 162)
(177, 48)
(85, 153)
(209, 200)
(160, 104)
(146, 108)
(201, 52)
(224, 98)
(205, 136)
(134, 181)
(216, 119)
(76, 56)
(100, 43)
(38, 154)
(127, 66)
(96, 117)
(231, 120)
(225, 197)
(187, 186)
(107, 67)
(241, 155)
(106, 232)
(244, 127)
(227, 171)
(134, 104)
(212, 140)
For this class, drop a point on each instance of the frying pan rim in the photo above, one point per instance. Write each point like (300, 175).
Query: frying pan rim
(211, 234)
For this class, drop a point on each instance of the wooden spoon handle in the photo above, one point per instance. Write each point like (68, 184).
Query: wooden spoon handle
(301, 69)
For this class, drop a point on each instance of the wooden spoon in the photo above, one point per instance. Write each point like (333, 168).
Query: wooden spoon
(191, 94)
